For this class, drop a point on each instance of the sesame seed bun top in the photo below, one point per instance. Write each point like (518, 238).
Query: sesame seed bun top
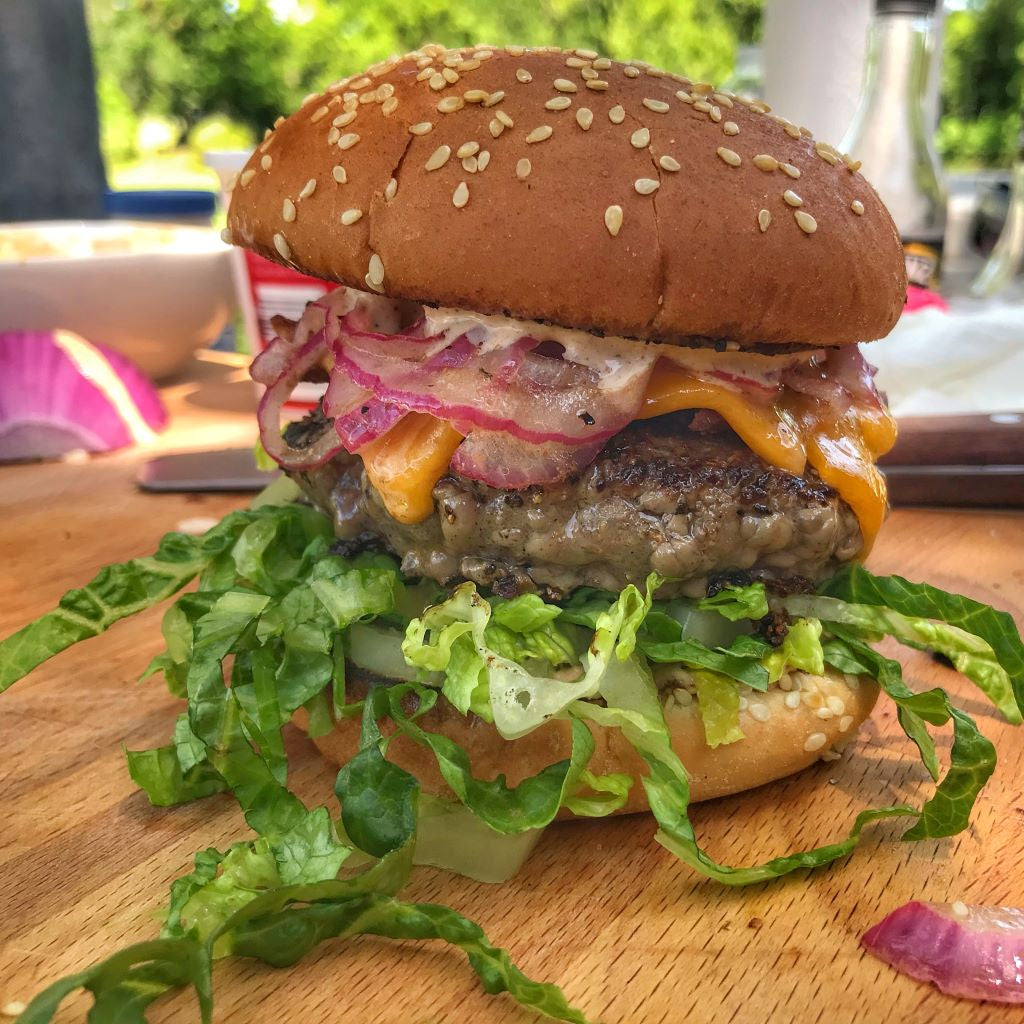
(560, 186)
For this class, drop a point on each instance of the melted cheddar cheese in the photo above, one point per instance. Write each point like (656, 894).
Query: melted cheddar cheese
(787, 431)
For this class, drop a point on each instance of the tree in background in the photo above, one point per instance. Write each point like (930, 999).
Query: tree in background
(983, 82)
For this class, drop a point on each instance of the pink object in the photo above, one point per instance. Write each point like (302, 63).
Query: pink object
(61, 393)
(924, 298)
(968, 951)
(501, 460)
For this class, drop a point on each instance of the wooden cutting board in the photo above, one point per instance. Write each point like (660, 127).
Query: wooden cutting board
(631, 935)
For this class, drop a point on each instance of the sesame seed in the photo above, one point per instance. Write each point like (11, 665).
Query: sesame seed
(348, 140)
(792, 698)
(792, 131)
(723, 99)
(483, 160)
(684, 97)
(467, 149)
(792, 198)
(279, 121)
(266, 162)
(246, 176)
(475, 95)
(576, 62)
(391, 189)
(830, 755)
(826, 153)
(825, 714)
(450, 75)
(523, 75)
(495, 97)
(836, 706)
(715, 114)
(631, 72)
(760, 712)
(646, 186)
(368, 97)
(597, 84)
(564, 85)
(344, 119)
(732, 158)
(495, 127)
(858, 207)
(469, 164)
(450, 104)
(668, 163)
(602, 63)
(308, 189)
(764, 162)
(421, 128)
(436, 81)
(515, 51)
(319, 113)
(616, 115)
(281, 245)
(658, 106)
(389, 106)
(558, 103)
(845, 722)
(225, 236)
(764, 218)
(504, 119)
(585, 118)
(960, 909)
(744, 703)
(385, 91)
(425, 73)
(589, 54)
(350, 216)
(793, 172)
(815, 741)
(288, 210)
(806, 132)
(438, 158)
(851, 164)
(333, 135)
(640, 139)
(483, 54)
(703, 106)
(452, 60)
(540, 133)
(613, 220)
(731, 128)
(523, 168)
(375, 272)
(460, 196)
(339, 174)
(808, 225)
(362, 83)
(588, 73)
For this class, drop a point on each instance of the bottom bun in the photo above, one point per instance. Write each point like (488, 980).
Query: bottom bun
(779, 739)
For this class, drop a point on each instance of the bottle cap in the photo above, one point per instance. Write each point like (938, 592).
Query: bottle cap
(905, 6)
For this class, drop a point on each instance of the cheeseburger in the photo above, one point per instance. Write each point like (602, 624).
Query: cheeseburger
(577, 528)
(595, 322)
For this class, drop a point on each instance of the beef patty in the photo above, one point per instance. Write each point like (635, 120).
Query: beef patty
(659, 497)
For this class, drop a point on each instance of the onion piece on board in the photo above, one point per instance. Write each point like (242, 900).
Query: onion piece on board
(968, 951)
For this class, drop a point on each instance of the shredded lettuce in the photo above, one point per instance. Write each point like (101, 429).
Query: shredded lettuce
(749, 602)
(800, 649)
(718, 700)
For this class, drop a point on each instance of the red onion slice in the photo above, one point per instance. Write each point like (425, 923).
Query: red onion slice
(509, 463)
(366, 423)
(269, 413)
(967, 951)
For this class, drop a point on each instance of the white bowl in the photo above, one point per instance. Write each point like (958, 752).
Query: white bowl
(154, 292)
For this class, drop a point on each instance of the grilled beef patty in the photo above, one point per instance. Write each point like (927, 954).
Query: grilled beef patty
(659, 497)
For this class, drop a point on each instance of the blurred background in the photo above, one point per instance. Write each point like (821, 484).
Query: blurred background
(130, 117)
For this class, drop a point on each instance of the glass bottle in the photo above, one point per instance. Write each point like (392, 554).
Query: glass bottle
(889, 136)
(1007, 258)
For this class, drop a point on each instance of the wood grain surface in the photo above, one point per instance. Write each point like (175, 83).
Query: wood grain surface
(629, 933)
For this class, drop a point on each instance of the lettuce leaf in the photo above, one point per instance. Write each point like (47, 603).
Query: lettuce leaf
(919, 600)
(972, 655)
(718, 700)
(800, 648)
(749, 602)
(742, 661)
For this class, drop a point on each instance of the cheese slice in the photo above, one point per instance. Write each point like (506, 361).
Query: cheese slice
(405, 463)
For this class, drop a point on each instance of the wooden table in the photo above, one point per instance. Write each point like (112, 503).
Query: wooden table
(631, 935)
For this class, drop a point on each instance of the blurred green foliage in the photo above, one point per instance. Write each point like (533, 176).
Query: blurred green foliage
(220, 71)
(982, 83)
